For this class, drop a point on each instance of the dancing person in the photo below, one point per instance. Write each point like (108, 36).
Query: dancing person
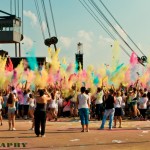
(87, 91)
(99, 103)
(31, 101)
(20, 104)
(1, 103)
(143, 101)
(134, 104)
(60, 105)
(5, 108)
(83, 106)
(118, 109)
(26, 103)
(66, 108)
(53, 106)
(73, 100)
(109, 109)
(40, 112)
(11, 103)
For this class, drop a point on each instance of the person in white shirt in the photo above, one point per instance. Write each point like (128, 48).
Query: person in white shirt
(143, 100)
(99, 103)
(73, 101)
(31, 101)
(83, 106)
(53, 106)
(118, 109)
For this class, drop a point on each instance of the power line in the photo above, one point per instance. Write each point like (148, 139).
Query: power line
(97, 19)
(141, 60)
(10, 6)
(109, 23)
(120, 26)
(15, 6)
(22, 16)
(87, 7)
(45, 15)
(52, 17)
(18, 7)
(39, 17)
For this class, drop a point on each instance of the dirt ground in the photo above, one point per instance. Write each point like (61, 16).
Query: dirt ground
(66, 135)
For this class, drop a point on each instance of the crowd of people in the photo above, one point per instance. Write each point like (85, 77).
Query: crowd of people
(50, 103)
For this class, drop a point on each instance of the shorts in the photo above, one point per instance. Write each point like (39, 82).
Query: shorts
(31, 107)
(11, 110)
(134, 103)
(118, 112)
(129, 106)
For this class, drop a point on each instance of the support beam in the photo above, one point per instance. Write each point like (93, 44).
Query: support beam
(19, 50)
(15, 49)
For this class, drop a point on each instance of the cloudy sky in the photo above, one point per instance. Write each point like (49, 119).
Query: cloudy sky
(74, 24)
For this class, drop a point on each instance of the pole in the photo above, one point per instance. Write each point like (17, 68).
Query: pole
(19, 50)
(15, 49)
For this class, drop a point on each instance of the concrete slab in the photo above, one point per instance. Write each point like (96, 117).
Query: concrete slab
(66, 135)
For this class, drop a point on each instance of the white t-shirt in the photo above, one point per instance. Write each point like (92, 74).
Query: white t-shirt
(53, 104)
(118, 102)
(14, 91)
(83, 98)
(0, 104)
(143, 102)
(99, 97)
(32, 102)
(60, 102)
(25, 97)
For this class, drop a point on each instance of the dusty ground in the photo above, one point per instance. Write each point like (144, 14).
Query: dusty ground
(65, 135)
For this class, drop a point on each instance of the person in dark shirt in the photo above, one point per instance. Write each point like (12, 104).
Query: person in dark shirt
(40, 112)
(109, 110)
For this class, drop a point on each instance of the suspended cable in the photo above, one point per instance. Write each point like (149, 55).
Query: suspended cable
(15, 6)
(39, 18)
(141, 60)
(10, 6)
(108, 22)
(18, 7)
(104, 27)
(45, 15)
(52, 17)
(97, 19)
(101, 24)
(120, 26)
(51, 40)
(22, 16)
